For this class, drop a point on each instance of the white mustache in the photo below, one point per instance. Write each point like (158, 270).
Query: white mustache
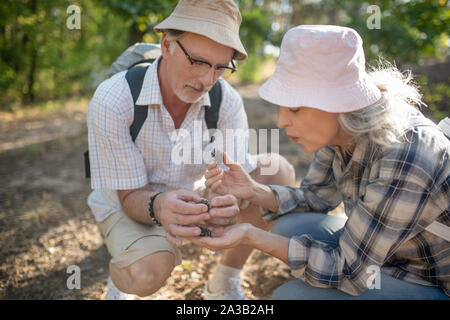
(198, 87)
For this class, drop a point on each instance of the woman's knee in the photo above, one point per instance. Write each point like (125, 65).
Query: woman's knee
(295, 224)
(320, 226)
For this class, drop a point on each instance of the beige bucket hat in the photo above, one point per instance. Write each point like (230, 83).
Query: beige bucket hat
(218, 20)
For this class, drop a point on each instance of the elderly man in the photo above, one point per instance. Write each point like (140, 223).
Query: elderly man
(144, 201)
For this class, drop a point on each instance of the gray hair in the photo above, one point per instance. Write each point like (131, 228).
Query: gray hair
(172, 35)
(385, 121)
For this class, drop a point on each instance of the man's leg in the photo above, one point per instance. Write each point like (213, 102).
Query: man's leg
(145, 276)
(143, 259)
(232, 260)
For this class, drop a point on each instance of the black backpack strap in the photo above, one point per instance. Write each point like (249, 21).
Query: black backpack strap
(141, 61)
(212, 112)
(135, 78)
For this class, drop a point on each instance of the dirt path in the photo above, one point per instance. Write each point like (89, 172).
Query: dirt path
(46, 226)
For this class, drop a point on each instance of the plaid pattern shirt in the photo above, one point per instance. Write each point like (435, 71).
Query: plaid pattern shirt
(390, 196)
(117, 163)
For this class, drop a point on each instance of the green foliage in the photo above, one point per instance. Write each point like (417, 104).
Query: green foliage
(250, 70)
(409, 30)
(436, 97)
(41, 59)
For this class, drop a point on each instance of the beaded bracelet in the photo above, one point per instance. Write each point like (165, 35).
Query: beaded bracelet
(150, 209)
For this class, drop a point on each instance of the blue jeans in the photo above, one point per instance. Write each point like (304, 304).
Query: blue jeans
(328, 229)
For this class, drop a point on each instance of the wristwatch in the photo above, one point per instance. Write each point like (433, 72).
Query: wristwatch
(150, 209)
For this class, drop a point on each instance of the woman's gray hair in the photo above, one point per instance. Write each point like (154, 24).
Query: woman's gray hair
(385, 121)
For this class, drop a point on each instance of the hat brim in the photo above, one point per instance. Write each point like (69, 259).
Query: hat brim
(211, 30)
(329, 99)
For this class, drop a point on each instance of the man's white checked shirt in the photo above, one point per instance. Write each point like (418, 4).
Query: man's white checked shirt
(119, 164)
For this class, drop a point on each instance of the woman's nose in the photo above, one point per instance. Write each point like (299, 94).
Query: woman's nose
(283, 119)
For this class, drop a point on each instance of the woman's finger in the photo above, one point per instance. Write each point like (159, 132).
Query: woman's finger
(211, 173)
(211, 181)
(212, 165)
(216, 185)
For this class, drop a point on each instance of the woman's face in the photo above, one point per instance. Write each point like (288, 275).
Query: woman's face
(312, 128)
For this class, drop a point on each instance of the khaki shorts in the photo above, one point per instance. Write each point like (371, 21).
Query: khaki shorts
(129, 241)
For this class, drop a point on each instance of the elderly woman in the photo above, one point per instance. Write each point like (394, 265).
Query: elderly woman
(374, 152)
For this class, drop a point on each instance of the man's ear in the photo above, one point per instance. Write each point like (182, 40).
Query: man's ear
(165, 45)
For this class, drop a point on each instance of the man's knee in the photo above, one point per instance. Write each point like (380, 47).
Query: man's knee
(274, 169)
(145, 276)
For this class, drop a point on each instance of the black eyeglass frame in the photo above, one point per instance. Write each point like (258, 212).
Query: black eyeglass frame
(192, 60)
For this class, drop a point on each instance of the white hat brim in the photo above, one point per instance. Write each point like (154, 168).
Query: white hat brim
(347, 98)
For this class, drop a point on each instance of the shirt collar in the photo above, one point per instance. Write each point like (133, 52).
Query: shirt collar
(151, 90)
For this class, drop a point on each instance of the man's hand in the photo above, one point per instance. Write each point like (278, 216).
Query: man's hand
(179, 212)
(224, 211)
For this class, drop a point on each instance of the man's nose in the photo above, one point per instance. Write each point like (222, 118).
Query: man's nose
(208, 79)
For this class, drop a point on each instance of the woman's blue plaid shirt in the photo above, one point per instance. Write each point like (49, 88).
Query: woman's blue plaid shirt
(390, 196)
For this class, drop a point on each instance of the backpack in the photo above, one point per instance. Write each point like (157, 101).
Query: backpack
(136, 59)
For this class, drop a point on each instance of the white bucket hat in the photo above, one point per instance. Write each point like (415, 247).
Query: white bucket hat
(218, 20)
(321, 67)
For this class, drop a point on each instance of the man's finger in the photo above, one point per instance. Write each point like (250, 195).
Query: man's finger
(224, 212)
(223, 222)
(174, 240)
(184, 207)
(222, 201)
(188, 195)
(184, 231)
(189, 219)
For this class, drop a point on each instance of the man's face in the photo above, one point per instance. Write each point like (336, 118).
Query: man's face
(185, 84)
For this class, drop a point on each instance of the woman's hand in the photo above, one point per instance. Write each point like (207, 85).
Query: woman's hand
(224, 238)
(234, 181)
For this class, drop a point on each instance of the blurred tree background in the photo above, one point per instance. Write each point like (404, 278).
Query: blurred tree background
(42, 59)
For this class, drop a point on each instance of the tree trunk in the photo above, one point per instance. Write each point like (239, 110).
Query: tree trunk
(297, 13)
(29, 96)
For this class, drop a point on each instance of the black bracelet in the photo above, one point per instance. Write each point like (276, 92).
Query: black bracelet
(150, 209)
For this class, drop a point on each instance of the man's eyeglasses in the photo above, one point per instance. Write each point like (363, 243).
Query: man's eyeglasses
(200, 67)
